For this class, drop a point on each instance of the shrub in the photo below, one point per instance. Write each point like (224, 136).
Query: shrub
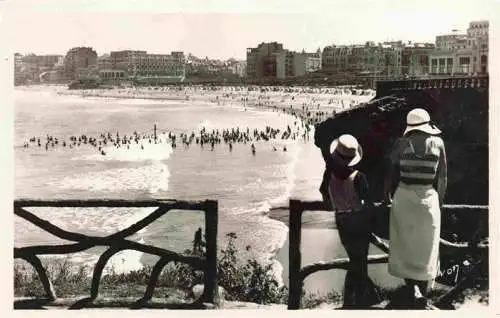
(313, 300)
(248, 281)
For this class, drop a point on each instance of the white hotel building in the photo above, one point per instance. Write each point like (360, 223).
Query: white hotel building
(462, 54)
(140, 64)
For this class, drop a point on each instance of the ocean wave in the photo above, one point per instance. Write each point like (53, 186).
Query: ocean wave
(121, 263)
(151, 178)
(274, 235)
(279, 234)
(130, 100)
(126, 261)
(204, 124)
(156, 152)
(91, 221)
(281, 200)
(264, 208)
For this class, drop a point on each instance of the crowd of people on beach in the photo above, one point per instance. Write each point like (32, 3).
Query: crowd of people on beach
(310, 104)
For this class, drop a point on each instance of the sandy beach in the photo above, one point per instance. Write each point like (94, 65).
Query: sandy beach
(309, 103)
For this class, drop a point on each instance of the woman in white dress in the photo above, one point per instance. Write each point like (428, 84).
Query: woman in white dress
(417, 178)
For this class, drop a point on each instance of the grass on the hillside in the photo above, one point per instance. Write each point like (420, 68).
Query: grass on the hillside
(248, 281)
(243, 281)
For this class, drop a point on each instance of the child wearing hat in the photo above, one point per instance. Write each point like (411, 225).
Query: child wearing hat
(348, 195)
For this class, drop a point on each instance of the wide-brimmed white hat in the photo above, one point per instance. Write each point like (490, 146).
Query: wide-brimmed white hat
(419, 119)
(347, 146)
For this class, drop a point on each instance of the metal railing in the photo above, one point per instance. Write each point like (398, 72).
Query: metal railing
(297, 273)
(118, 241)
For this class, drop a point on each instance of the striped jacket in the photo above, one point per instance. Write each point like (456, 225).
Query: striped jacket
(417, 166)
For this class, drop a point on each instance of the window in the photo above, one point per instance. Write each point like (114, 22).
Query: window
(464, 66)
(424, 60)
(434, 67)
(464, 60)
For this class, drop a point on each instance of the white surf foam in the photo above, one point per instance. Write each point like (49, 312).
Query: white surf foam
(280, 233)
(152, 178)
(126, 261)
(159, 151)
(205, 124)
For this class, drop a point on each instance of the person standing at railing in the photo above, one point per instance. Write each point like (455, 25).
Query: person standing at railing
(418, 174)
(349, 196)
(197, 242)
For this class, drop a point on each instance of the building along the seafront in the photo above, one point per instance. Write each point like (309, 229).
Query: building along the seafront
(462, 53)
(111, 75)
(272, 61)
(104, 62)
(452, 54)
(205, 68)
(143, 65)
(262, 60)
(29, 68)
(80, 62)
(237, 67)
(368, 60)
(415, 59)
(304, 63)
(284, 64)
(478, 38)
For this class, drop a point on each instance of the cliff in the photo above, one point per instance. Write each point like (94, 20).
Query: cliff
(458, 106)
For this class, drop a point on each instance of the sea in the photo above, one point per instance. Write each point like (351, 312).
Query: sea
(246, 186)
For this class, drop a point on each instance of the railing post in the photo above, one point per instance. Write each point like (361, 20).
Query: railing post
(210, 277)
(295, 259)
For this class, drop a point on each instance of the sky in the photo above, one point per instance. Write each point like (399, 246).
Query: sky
(226, 28)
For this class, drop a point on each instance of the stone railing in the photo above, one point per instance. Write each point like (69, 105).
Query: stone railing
(118, 241)
(470, 82)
